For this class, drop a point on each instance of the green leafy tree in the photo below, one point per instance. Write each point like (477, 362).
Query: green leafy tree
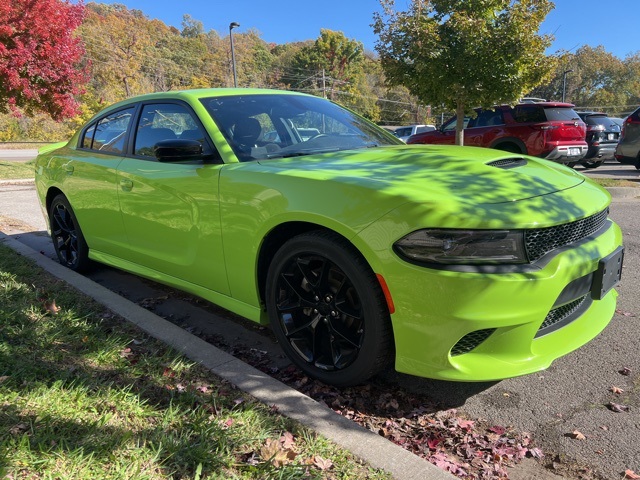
(464, 53)
(329, 66)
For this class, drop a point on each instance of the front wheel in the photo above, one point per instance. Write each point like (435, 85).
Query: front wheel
(327, 309)
(68, 241)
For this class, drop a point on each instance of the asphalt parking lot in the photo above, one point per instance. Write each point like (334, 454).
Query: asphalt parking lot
(573, 395)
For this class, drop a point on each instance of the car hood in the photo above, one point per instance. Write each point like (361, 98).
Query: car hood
(421, 173)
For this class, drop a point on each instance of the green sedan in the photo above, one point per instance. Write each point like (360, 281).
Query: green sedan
(448, 262)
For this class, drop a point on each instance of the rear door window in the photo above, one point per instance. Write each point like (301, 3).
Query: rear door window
(529, 114)
(561, 114)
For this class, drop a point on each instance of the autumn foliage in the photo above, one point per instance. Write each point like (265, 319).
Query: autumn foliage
(40, 57)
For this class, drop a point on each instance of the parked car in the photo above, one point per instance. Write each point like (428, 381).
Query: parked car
(455, 263)
(628, 149)
(602, 137)
(551, 130)
(403, 133)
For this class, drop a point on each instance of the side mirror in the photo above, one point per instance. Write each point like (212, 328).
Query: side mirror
(177, 150)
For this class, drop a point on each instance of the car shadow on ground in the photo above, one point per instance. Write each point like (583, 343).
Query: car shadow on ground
(256, 345)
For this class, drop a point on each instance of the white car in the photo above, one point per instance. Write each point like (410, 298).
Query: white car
(403, 133)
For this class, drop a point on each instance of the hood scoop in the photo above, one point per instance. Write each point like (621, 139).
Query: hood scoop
(507, 163)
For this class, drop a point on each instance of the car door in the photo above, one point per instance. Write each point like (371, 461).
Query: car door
(484, 129)
(90, 185)
(170, 211)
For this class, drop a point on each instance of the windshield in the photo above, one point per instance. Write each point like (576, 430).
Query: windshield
(265, 126)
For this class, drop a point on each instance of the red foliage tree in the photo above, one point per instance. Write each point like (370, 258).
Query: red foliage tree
(40, 57)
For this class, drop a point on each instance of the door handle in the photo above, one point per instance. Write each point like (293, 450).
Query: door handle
(126, 184)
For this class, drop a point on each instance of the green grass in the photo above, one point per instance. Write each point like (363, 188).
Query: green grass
(84, 394)
(16, 170)
(613, 182)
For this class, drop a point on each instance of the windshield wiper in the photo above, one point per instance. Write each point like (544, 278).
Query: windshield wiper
(301, 153)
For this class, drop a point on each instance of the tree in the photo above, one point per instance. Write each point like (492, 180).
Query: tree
(464, 53)
(40, 57)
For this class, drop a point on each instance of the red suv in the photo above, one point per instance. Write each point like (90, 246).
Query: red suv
(551, 130)
(628, 149)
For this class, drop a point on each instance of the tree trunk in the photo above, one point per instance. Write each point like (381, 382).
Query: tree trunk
(460, 123)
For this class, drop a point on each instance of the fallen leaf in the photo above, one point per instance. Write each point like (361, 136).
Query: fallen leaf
(3, 378)
(625, 371)
(18, 429)
(626, 314)
(618, 408)
(498, 430)
(577, 435)
(321, 463)
(631, 474)
(616, 390)
(287, 440)
(536, 453)
(51, 307)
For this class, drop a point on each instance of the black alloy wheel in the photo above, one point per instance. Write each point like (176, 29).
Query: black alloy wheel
(68, 241)
(327, 309)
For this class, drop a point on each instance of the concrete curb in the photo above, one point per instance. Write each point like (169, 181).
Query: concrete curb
(18, 181)
(374, 449)
(624, 192)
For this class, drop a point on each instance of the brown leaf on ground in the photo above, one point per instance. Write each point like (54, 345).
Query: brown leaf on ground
(321, 463)
(51, 307)
(272, 452)
(631, 474)
(618, 408)
(287, 441)
(616, 390)
(577, 435)
(626, 371)
(3, 378)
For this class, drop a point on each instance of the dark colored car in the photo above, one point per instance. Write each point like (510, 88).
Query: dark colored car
(551, 130)
(628, 149)
(603, 134)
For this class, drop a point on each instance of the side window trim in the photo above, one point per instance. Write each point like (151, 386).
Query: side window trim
(94, 125)
(134, 128)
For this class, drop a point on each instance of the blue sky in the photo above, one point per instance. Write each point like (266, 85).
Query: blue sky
(573, 22)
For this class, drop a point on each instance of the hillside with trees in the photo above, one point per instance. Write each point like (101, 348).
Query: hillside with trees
(121, 52)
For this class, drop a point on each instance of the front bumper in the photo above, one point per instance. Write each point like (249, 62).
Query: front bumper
(437, 311)
(491, 323)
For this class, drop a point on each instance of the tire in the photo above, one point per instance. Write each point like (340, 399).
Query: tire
(327, 309)
(571, 164)
(68, 240)
(509, 147)
(590, 163)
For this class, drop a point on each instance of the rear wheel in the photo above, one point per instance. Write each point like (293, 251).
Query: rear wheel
(68, 241)
(509, 147)
(591, 163)
(327, 309)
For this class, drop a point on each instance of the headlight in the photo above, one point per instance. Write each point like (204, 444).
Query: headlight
(462, 247)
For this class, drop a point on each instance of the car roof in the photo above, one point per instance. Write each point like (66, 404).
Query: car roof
(198, 93)
(591, 113)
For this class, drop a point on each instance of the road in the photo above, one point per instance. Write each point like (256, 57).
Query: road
(572, 395)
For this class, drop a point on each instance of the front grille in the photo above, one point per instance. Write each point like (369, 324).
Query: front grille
(471, 341)
(540, 241)
(559, 317)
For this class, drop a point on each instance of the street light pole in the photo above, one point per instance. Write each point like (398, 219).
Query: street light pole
(233, 25)
(564, 83)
